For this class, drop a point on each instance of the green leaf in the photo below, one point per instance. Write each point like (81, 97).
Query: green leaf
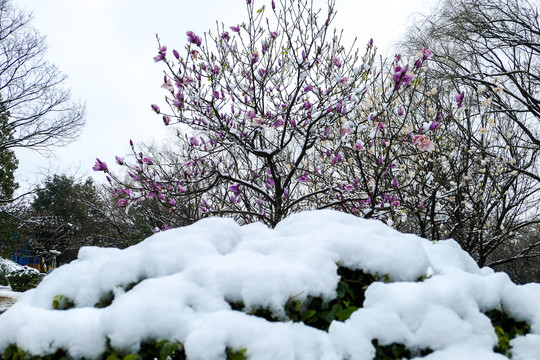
(327, 316)
(308, 314)
(236, 354)
(346, 313)
(131, 357)
(167, 350)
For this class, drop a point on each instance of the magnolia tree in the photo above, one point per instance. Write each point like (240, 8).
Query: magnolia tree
(275, 116)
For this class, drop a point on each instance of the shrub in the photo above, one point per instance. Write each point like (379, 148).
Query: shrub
(23, 279)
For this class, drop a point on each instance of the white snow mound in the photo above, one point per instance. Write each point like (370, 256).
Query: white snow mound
(187, 278)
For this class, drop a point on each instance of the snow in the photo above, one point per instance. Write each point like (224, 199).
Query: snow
(186, 278)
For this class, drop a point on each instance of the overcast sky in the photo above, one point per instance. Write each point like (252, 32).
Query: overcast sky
(106, 48)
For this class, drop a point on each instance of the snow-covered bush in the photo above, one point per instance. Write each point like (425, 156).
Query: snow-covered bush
(320, 285)
(20, 278)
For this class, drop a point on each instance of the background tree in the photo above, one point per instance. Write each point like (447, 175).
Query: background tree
(64, 216)
(493, 47)
(32, 91)
(485, 190)
(8, 161)
(278, 116)
(9, 224)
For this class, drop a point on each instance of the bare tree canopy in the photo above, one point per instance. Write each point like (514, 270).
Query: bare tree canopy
(32, 90)
(494, 45)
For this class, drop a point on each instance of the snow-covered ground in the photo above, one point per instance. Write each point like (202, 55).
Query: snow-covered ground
(186, 279)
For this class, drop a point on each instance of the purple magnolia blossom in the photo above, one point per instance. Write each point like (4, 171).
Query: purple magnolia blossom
(336, 159)
(100, 166)
(225, 36)
(400, 111)
(148, 161)
(426, 54)
(119, 160)
(434, 125)
(172, 202)
(161, 54)
(193, 141)
(176, 54)
(254, 57)
(166, 119)
(273, 5)
(235, 189)
(358, 146)
(193, 39)
(133, 176)
(235, 28)
(122, 202)
(336, 62)
(402, 77)
(274, 34)
(395, 182)
(459, 99)
(156, 108)
(303, 178)
(308, 88)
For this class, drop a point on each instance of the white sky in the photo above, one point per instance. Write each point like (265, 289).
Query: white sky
(106, 49)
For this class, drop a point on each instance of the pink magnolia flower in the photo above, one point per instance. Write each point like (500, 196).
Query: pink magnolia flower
(344, 130)
(161, 54)
(426, 53)
(303, 178)
(358, 146)
(122, 202)
(193, 39)
(100, 166)
(166, 119)
(459, 99)
(423, 143)
(235, 189)
(258, 121)
(148, 161)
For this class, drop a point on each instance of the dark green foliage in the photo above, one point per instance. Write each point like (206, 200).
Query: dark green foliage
(105, 300)
(162, 350)
(316, 312)
(13, 352)
(349, 297)
(506, 329)
(8, 161)
(397, 351)
(236, 354)
(61, 302)
(65, 215)
(22, 279)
